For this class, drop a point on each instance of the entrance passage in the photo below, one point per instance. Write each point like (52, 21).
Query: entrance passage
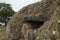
(35, 24)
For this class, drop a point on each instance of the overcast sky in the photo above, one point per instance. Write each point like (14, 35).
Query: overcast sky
(18, 4)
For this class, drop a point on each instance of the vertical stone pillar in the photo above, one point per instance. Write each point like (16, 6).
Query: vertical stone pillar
(30, 34)
(25, 30)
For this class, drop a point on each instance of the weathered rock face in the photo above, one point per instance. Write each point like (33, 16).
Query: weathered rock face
(38, 21)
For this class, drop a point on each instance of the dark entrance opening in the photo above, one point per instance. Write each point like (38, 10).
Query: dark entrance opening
(35, 24)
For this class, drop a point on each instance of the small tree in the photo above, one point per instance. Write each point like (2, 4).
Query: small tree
(5, 12)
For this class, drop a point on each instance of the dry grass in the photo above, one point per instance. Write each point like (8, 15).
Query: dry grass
(2, 33)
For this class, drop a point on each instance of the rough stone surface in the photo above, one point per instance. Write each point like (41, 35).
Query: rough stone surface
(36, 21)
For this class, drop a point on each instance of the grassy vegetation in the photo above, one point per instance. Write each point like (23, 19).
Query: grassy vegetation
(2, 33)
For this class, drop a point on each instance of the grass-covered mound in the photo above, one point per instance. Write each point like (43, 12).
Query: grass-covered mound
(44, 14)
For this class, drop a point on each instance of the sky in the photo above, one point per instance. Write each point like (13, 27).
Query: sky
(18, 4)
